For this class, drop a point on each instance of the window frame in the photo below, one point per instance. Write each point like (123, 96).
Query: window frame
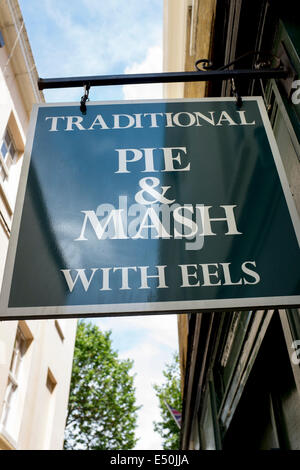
(8, 159)
(17, 381)
(15, 370)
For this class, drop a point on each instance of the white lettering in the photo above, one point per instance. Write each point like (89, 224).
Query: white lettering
(124, 272)
(169, 158)
(153, 117)
(105, 280)
(160, 276)
(169, 120)
(190, 122)
(250, 273)
(243, 119)
(117, 124)
(137, 155)
(99, 229)
(296, 94)
(98, 121)
(149, 163)
(54, 122)
(225, 117)
(210, 120)
(185, 275)
(74, 121)
(229, 218)
(138, 122)
(207, 274)
(227, 277)
(81, 275)
(156, 224)
(184, 221)
(296, 355)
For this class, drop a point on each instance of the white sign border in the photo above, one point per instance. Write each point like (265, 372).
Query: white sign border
(72, 311)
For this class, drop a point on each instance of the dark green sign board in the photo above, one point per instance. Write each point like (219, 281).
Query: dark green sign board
(158, 206)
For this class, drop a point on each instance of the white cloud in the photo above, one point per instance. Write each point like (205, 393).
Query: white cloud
(90, 37)
(147, 367)
(151, 64)
(149, 362)
(161, 329)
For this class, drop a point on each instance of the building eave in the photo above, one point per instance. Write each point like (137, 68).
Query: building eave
(20, 57)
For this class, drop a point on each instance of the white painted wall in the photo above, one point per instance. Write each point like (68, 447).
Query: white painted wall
(38, 419)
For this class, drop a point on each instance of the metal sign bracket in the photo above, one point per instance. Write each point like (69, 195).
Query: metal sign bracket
(262, 70)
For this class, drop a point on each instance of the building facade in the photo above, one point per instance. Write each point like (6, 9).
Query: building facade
(241, 370)
(35, 356)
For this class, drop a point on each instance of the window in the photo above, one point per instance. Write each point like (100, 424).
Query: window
(208, 425)
(19, 350)
(59, 325)
(268, 414)
(234, 333)
(8, 154)
(50, 382)
(207, 428)
(49, 410)
(12, 408)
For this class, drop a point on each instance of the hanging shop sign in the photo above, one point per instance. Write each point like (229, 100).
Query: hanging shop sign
(158, 206)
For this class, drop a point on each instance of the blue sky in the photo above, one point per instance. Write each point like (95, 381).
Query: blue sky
(91, 37)
(104, 37)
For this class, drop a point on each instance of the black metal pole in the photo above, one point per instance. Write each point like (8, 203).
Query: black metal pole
(171, 77)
